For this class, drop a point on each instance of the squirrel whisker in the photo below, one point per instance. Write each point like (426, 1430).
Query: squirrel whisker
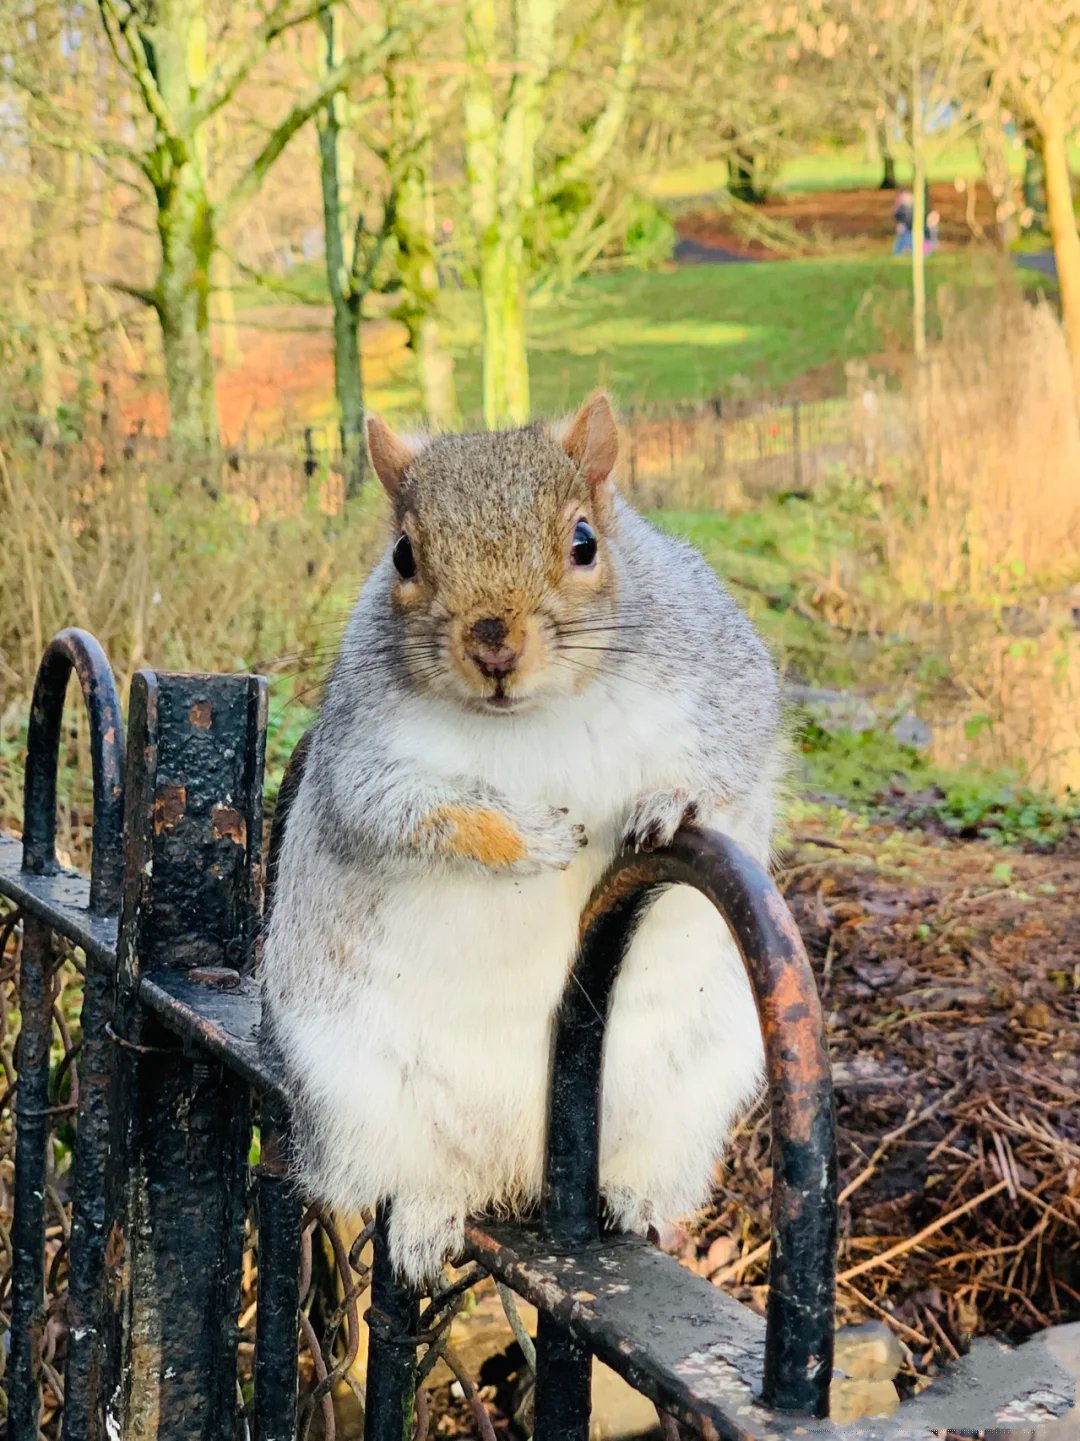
(602, 672)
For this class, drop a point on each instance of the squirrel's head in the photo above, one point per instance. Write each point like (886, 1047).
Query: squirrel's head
(503, 586)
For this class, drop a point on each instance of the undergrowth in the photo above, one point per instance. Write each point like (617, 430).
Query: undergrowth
(873, 772)
(172, 565)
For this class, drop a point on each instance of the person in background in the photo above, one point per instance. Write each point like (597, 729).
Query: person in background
(933, 222)
(904, 219)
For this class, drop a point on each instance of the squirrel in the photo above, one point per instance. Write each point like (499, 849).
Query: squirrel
(533, 678)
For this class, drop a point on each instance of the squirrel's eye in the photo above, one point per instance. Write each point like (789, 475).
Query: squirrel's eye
(404, 560)
(583, 549)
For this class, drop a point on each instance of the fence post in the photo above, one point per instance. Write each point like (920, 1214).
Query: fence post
(393, 1320)
(36, 986)
(181, 1128)
(796, 446)
(279, 1298)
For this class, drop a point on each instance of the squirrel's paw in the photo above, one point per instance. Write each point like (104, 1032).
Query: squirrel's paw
(514, 843)
(655, 819)
(552, 841)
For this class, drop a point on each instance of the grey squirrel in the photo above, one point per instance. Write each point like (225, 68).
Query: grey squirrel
(532, 678)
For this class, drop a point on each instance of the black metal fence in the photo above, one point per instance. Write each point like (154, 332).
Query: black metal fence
(150, 1191)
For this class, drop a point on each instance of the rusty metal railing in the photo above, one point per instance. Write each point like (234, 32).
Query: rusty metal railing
(174, 1090)
(72, 651)
(799, 1332)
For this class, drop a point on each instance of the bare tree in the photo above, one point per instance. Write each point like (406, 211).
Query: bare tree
(1033, 51)
(512, 87)
(915, 56)
(185, 74)
(376, 173)
(57, 191)
(411, 160)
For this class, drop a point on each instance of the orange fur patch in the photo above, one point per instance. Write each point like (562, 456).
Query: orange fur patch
(478, 835)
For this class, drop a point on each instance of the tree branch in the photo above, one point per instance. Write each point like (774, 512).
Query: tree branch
(361, 284)
(605, 131)
(272, 283)
(333, 82)
(223, 81)
(70, 140)
(147, 295)
(139, 68)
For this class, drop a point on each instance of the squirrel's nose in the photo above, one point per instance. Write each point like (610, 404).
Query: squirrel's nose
(490, 632)
(488, 648)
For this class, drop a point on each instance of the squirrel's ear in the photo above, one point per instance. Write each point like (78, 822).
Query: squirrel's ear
(390, 456)
(591, 440)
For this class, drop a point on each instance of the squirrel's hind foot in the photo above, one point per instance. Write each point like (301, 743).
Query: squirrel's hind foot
(423, 1238)
(655, 819)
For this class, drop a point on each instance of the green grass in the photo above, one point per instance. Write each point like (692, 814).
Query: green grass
(766, 556)
(875, 773)
(675, 335)
(688, 334)
(835, 168)
(849, 169)
(657, 337)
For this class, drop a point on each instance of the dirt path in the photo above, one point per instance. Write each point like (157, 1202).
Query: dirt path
(824, 219)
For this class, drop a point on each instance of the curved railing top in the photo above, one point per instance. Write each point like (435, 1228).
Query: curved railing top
(78, 651)
(799, 1333)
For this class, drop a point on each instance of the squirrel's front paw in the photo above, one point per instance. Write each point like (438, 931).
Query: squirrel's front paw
(521, 844)
(552, 841)
(655, 819)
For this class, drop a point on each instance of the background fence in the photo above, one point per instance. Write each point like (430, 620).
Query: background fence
(715, 454)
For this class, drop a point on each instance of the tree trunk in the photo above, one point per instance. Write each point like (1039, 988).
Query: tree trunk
(349, 390)
(741, 183)
(336, 187)
(888, 159)
(506, 371)
(435, 367)
(224, 310)
(414, 231)
(222, 278)
(185, 225)
(1034, 178)
(500, 160)
(348, 365)
(518, 400)
(991, 142)
(1063, 232)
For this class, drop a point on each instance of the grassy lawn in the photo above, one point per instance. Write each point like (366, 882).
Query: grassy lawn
(685, 334)
(764, 556)
(835, 168)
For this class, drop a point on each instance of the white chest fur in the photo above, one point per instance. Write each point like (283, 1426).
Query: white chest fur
(588, 752)
(415, 1011)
